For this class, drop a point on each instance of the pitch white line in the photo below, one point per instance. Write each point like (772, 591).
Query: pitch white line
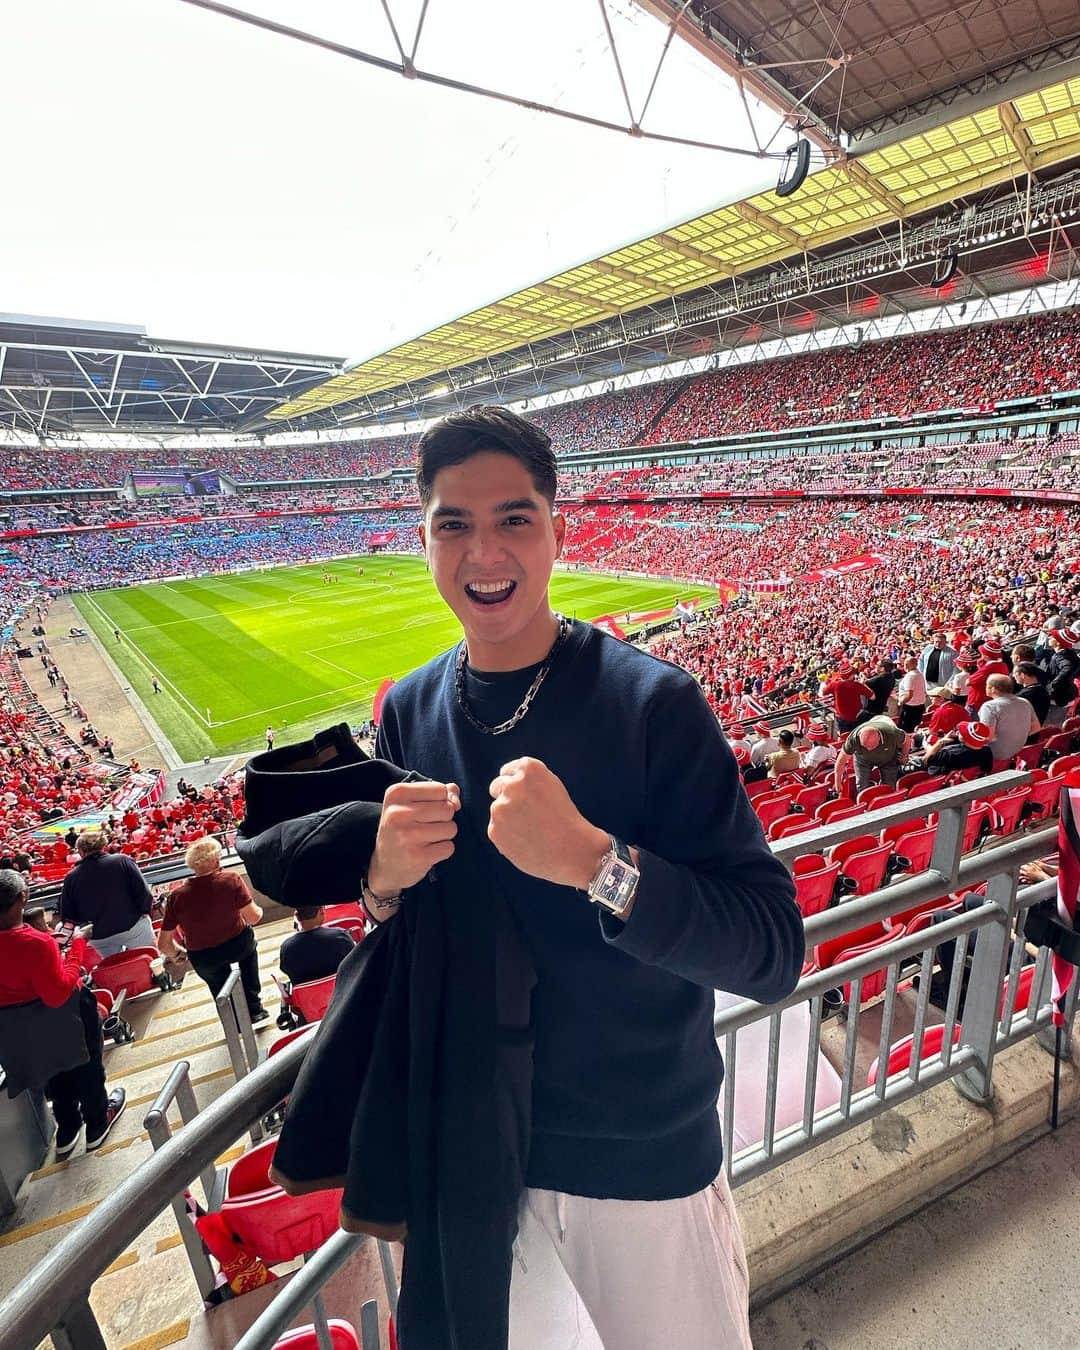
(134, 646)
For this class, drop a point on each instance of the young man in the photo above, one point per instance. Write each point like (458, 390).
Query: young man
(608, 809)
(315, 952)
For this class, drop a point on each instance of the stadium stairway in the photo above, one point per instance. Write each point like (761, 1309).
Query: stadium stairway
(148, 1298)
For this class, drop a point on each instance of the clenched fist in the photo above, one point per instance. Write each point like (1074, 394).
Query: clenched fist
(536, 826)
(416, 831)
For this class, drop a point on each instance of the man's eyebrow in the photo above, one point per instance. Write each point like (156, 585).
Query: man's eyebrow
(501, 508)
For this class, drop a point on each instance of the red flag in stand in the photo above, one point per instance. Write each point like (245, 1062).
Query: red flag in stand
(380, 694)
(1068, 884)
(607, 624)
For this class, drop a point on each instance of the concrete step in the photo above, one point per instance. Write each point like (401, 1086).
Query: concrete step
(989, 1266)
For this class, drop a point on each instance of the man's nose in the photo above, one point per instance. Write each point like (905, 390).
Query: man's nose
(486, 546)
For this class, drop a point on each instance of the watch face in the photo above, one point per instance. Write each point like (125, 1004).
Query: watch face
(615, 886)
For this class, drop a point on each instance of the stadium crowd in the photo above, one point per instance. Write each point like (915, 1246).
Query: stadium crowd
(972, 367)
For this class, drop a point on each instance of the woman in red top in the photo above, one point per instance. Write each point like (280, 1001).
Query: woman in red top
(33, 968)
(215, 912)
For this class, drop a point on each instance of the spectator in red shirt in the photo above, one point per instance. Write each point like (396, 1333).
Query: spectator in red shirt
(847, 695)
(216, 914)
(33, 969)
(990, 663)
(948, 714)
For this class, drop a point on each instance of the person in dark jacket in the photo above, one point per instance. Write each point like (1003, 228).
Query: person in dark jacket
(315, 952)
(108, 891)
(35, 970)
(634, 873)
(1062, 667)
(1030, 686)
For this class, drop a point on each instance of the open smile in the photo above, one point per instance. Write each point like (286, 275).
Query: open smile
(490, 593)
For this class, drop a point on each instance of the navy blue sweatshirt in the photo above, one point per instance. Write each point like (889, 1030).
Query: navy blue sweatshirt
(626, 1067)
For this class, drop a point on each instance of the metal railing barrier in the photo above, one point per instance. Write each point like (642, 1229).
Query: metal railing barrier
(991, 1002)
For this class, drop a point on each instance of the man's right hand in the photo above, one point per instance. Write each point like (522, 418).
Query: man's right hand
(416, 831)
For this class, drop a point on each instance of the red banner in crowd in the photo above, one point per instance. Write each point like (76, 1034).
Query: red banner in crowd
(607, 624)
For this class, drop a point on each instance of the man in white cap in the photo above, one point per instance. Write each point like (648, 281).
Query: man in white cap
(822, 752)
(765, 745)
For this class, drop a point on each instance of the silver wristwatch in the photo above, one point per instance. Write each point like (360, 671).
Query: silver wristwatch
(616, 881)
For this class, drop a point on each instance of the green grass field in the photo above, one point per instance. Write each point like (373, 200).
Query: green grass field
(237, 653)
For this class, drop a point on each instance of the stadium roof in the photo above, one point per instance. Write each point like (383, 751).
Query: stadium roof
(64, 376)
(872, 189)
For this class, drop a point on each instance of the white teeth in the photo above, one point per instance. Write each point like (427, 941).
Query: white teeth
(489, 587)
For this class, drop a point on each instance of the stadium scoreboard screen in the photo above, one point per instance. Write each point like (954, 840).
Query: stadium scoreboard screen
(175, 482)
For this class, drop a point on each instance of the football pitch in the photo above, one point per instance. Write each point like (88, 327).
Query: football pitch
(237, 653)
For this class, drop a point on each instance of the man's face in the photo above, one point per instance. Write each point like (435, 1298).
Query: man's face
(491, 540)
(940, 640)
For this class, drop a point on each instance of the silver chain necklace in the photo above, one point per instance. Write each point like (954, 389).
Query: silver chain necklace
(530, 693)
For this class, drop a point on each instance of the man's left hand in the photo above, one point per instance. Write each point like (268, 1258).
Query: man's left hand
(536, 826)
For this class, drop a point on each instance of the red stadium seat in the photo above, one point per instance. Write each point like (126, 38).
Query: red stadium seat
(342, 1337)
(273, 1225)
(1061, 743)
(871, 795)
(979, 824)
(1064, 765)
(356, 928)
(899, 1060)
(310, 1001)
(771, 808)
(130, 972)
(759, 788)
(866, 871)
(914, 849)
(830, 812)
(814, 890)
(353, 910)
(1028, 757)
(850, 945)
(908, 780)
(1008, 808)
(808, 799)
(796, 823)
(1044, 794)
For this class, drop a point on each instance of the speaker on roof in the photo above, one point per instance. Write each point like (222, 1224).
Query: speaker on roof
(795, 168)
(945, 270)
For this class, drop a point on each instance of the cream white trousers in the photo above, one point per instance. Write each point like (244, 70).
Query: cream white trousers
(629, 1274)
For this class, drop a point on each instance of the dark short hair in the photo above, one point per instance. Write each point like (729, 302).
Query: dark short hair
(306, 912)
(786, 737)
(1031, 669)
(486, 429)
(12, 889)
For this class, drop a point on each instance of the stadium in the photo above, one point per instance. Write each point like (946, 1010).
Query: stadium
(818, 458)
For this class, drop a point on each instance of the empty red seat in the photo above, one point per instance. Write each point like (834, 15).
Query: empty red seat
(873, 983)
(814, 890)
(1008, 808)
(771, 808)
(130, 972)
(871, 795)
(1028, 757)
(909, 780)
(1043, 796)
(808, 799)
(926, 787)
(310, 1001)
(760, 788)
(1061, 743)
(273, 1225)
(796, 823)
(829, 812)
(342, 1337)
(1064, 765)
(808, 862)
(290, 1036)
(980, 821)
(353, 910)
(900, 1054)
(914, 849)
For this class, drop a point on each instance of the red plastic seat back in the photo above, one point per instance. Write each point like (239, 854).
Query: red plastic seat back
(909, 780)
(354, 927)
(873, 983)
(1008, 807)
(311, 1000)
(1023, 991)
(1043, 798)
(808, 862)
(796, 823)
(828, 952)
(342, 1337)
(979, 822)
(837, 810)
(808, 799)
(814, 890)
(1064, 765)
(1028, 757)
(900, 1053)
(353, 910)
(273, 1225)
(859, 844)
(128, 971)
(289, 1037)
(917, 847)
(771, 808)
(867, 869)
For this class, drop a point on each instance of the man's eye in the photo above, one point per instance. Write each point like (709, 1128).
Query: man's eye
(448, 525)
(517, 520)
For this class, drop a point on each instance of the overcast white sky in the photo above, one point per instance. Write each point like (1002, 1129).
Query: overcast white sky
(168, 167)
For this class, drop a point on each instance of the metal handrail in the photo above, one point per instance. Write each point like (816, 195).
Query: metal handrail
(60, 1283)
(54, 1297)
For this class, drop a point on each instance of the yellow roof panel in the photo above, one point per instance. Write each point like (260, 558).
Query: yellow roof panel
(912, 175)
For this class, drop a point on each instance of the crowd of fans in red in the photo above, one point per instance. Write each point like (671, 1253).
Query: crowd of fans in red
(1034, 355)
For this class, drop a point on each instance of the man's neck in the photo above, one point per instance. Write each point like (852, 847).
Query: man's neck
(527, 648)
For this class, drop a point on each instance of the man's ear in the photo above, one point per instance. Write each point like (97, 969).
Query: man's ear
(558, 524)
(421, 531)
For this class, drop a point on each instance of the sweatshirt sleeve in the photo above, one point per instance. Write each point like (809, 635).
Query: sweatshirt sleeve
(714, 905)
(56, 977)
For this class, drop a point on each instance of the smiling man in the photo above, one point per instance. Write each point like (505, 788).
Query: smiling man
(633, 879)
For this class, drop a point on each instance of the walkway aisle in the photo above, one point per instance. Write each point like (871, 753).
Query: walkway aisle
(991, 1266)
(149, 1297)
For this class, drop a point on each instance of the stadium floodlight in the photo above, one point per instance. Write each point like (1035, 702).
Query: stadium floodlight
(795, 167)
